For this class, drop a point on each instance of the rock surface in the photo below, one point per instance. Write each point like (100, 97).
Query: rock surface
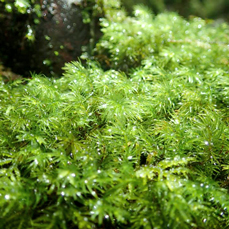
(59, 37)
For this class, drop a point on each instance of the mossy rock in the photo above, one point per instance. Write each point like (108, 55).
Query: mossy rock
(141, 144)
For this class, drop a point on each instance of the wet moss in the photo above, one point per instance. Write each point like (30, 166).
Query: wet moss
(139, 140)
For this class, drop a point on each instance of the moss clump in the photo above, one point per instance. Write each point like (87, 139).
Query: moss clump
(143, 148)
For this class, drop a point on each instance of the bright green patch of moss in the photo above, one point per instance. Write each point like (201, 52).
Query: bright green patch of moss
(144, 148)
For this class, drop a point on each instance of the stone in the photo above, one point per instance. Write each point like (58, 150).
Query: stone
(59, 37)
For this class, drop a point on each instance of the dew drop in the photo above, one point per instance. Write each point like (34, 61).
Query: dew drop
(78, 193)
(7, 197)
(206, 143)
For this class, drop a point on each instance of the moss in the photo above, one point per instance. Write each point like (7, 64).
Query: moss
(141, 144)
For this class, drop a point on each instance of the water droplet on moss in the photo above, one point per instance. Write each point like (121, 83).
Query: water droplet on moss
(7, 196)
(78, 193)
(8, 8)
(206, 143)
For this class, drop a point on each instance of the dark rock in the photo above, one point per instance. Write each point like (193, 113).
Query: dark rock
(59, 37)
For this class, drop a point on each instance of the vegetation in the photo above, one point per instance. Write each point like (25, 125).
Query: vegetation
(137, 138)
(201, 8)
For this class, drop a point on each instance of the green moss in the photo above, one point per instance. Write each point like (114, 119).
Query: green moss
(145, 147)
